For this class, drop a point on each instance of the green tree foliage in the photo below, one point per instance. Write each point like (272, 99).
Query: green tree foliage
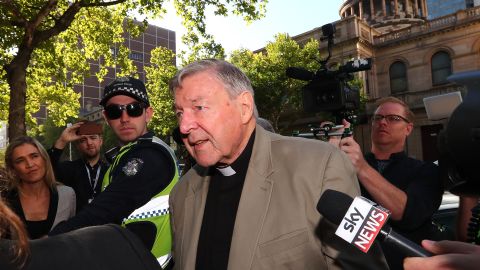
(46, 46)
(159, 73)
(276, 95)
(4, 98)
(51, 133)
(2, 158)
(201, 44)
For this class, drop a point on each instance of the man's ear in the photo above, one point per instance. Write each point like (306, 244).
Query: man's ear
(105, 117)
(409, 128)
(148, 113)
(247, 104)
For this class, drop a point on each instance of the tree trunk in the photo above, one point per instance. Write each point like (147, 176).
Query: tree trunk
(16, 78)
(17, 69)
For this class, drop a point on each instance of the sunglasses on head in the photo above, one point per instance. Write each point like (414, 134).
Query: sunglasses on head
(114, 111)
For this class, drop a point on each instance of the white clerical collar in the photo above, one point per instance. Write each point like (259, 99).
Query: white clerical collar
(226, 171)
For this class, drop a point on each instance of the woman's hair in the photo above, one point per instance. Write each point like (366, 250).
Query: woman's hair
(11, 227)
(14, 180)
(3, 180)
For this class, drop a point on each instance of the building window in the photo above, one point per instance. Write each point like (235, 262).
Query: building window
(114, 51)
(398, 77)
(136, 56)
(441, 67)
(470, 3)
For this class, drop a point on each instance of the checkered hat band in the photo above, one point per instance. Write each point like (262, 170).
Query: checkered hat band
(148, 214)
(130, 90)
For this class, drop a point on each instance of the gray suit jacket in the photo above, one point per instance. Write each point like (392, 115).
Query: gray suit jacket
(66, 204)
(277, 224)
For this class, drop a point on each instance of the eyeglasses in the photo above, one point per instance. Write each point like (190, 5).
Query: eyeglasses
(114, 111)
(390, 118)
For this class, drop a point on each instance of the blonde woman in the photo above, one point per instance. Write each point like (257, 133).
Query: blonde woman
(32, 191)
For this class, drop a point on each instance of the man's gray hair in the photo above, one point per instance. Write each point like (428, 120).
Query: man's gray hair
(233, 79)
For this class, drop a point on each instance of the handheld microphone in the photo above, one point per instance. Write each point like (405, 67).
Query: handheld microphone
(300, 74)
(361, 220)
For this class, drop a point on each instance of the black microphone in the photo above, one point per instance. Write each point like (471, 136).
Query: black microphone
(300, 74)
(338, 208)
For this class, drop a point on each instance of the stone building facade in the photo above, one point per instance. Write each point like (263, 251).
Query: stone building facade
(412, 57)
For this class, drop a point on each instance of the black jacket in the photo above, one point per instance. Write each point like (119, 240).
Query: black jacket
(74, 174)
(100, 247)
(128, 191)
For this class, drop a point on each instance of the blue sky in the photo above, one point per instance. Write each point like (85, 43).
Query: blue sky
(292, 17)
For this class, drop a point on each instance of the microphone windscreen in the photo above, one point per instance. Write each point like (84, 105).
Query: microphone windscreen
(333, 205)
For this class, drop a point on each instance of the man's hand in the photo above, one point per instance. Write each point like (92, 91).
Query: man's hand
(382, 191)
(348, 145)
(335, 140)
(450, 255)
(354, 152)
(68, 135)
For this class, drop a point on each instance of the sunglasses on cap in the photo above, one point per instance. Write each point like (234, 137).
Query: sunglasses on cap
(114, 111)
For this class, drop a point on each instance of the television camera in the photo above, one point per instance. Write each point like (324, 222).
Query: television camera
(459, 143)
(328, 90)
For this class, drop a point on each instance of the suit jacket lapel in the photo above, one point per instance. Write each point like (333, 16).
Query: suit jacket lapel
(194, 208)
(253, 205)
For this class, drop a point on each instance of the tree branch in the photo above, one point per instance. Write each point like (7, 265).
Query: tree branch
(17, 18)
(62, 23)
(42, 13)
(101, 4)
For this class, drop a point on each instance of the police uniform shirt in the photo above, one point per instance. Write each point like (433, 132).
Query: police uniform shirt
(129, 188)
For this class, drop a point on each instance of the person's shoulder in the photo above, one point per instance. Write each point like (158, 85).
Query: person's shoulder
(191, 178)
(62, 189)
(302, 144)
(10, 194)
(148, 149)
(69, 164)
(421, 163)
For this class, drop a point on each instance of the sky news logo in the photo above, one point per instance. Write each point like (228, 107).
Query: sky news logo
(362, 223)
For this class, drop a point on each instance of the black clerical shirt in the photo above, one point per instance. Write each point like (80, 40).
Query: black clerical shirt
(221, 207)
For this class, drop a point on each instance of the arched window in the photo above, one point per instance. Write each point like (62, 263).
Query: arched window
(441, 67)
(398, 77)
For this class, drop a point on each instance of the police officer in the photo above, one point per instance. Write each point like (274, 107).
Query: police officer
(138, 182)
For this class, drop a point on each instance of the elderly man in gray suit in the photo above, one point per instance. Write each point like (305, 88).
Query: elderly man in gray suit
(250, 202)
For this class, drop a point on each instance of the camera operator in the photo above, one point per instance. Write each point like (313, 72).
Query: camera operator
(409, 188)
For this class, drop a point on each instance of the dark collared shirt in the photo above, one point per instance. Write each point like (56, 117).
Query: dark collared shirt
(221, 207)
(421, 182)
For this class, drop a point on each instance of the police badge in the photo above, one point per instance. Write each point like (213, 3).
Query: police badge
(132, 167)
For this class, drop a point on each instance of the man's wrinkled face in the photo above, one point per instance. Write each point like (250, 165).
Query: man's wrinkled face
(210, 120)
